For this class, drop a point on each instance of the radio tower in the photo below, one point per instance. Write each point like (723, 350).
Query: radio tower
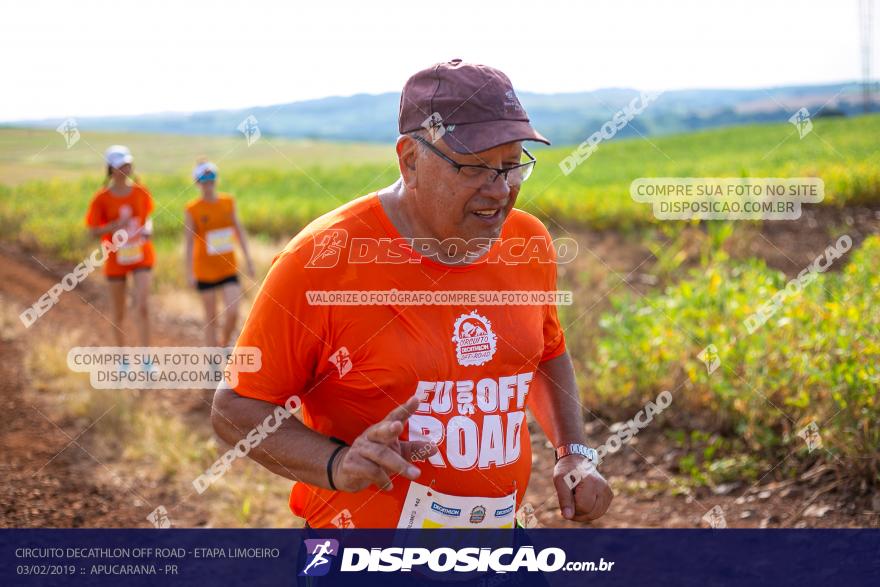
(866, 15)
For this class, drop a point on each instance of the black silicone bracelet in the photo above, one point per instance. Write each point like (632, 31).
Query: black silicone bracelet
(333, 458)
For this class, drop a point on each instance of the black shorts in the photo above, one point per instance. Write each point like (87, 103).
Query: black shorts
(206, 285)
(122, 277)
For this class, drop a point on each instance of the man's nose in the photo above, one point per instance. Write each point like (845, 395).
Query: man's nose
(497, 189)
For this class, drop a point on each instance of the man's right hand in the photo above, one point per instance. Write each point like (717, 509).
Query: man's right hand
(377, 454)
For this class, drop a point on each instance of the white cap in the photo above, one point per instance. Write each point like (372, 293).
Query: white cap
(203, 167)
(117, 156)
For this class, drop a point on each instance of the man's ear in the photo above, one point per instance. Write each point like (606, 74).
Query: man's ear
(407, 154)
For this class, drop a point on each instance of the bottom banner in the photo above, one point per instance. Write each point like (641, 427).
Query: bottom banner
(489, 558)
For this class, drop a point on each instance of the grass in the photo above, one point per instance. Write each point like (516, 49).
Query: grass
(10, 323)
(815, 360)
(31, 154)
(282, 185)
(145, 443)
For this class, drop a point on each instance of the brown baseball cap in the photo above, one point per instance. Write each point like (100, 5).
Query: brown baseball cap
(473, 107)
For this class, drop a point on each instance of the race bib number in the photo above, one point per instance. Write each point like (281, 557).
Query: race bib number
(425, 507)
(130, 254)
(220, 241)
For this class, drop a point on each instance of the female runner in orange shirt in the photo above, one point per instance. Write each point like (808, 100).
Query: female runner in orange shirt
(212, 227)
(125, 204)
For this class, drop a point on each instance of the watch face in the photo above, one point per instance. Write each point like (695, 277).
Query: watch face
(577, 449)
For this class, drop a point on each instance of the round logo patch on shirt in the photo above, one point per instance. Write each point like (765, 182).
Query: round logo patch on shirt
(478, 514)
(474, 339)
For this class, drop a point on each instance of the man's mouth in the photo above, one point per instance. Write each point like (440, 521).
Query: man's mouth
(487, 213)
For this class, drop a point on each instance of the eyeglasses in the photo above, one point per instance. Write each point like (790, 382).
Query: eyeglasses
(477, 175)
(207, 176)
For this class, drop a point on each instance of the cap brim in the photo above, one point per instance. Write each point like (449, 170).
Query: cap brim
(482, 136)
(119, 163)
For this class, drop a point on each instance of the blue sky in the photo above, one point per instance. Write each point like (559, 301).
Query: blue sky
(117, 57)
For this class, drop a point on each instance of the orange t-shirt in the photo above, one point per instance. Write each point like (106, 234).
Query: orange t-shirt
(214, 239)
(351, 365)
(137, 252)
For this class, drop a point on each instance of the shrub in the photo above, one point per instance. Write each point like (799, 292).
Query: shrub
(815, 360)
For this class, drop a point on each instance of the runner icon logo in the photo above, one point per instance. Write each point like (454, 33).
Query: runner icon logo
(343, 520)
(341, 359)
(329, 244)
(320, 552)
(474, 339)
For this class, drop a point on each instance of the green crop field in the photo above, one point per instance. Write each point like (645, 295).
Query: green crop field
(281, 185)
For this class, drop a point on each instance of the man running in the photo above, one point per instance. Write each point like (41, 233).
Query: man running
(414, 415)
(319, 553)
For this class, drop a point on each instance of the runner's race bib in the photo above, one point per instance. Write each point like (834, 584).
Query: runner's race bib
(220, 241)
(425, 507)
(132, 251)
(130, 254)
